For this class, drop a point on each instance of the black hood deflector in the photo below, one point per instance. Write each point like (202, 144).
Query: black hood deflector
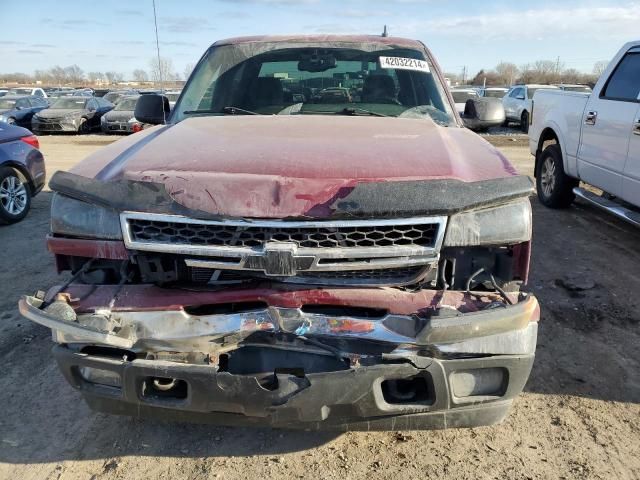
(365, 200)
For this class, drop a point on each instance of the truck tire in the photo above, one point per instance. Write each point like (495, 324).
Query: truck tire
(555, 188)
(524, 122)
(15, 195)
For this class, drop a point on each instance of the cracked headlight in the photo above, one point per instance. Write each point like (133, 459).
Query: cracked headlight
(80, 219)
(500, 225)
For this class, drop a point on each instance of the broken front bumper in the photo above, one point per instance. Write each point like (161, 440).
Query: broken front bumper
(400, 371)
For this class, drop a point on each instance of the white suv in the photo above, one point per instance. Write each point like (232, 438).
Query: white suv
(517, 103)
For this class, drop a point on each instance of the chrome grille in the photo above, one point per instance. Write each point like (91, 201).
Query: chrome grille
(354, 252)
(180, 233)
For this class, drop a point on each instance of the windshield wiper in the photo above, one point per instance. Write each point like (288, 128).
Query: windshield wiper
(231, 110)
(236, 111)
(356, 111)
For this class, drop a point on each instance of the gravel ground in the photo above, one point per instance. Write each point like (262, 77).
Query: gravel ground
(579, 417)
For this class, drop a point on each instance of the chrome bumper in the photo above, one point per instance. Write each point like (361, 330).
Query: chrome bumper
(510, 330)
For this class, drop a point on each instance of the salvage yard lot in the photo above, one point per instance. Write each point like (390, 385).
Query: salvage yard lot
(579, 416)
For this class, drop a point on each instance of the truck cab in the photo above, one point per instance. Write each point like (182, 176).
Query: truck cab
(594, 139)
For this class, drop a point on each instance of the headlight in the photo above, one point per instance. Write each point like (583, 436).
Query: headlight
(502, 225)
(3, 118)
(81, 219)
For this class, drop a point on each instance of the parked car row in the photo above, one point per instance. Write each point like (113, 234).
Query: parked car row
(516, 102)
(71, 114)
(593, 139)
(22, 171)
(76, 110)
(19, 110)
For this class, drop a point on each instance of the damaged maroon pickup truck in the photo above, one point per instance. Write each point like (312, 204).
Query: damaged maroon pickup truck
(311, 240)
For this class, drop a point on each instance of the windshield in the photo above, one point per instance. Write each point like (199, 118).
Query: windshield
(20, 91)
(112, 97)
(69, 102)
(357, 79)
(126, 104)
(495, 93)
(532, 91)
(6, 104)
(580, 88)
(462, 97)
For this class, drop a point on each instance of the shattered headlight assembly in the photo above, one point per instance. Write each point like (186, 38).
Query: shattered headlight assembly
(81, 219)
(505, 224)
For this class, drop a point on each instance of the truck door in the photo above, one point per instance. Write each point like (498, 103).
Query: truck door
(631, 180)
(607, 123)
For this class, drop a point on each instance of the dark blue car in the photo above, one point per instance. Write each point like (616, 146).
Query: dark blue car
(22, 172)
(18, 110)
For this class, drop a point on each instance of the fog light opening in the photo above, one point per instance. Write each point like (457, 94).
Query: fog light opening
(479, 382)
(402, 391)
(99, 376)
(164, 388)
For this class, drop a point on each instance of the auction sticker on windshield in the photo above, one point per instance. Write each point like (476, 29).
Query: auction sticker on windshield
(402, 63)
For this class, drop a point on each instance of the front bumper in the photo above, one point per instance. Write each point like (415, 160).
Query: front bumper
(464, 370)
(117, 127)
(55, 125)
(352, 399)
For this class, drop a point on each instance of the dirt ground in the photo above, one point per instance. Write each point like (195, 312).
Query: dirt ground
(579, 417)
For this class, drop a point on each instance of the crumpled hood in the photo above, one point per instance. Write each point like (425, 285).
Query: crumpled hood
(59, 112)
(119, 115)
(284, 166)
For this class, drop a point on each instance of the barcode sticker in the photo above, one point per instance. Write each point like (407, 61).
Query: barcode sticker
(402, 63)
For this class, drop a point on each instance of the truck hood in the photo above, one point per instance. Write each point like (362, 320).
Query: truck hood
(285, 166)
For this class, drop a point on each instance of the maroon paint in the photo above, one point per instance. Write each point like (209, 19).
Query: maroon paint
(282, 166)
(111, 249)
(150, 297)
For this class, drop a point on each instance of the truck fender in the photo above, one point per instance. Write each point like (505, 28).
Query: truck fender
(553, 133)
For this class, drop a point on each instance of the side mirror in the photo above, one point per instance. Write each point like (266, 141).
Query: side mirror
(153, 109)
(520, 97)
(482, 113)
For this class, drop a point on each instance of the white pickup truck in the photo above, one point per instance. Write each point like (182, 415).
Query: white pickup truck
(591, 138)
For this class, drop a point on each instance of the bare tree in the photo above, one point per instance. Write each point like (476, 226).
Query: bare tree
(140, 75)
(74, 74)
(16, 77)
(599, 67)
(162, 70)
(187, 70)
(508, 72)
(42, 75)
(113, 77)
(95, 77)
(58, 75)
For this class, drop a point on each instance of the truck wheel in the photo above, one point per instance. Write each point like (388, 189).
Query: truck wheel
(555, 188)
(15, 196)
(524, 122)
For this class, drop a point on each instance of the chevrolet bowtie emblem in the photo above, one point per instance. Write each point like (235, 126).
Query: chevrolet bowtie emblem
(279, 260)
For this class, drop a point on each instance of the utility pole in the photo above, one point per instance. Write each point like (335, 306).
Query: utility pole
(464, 75)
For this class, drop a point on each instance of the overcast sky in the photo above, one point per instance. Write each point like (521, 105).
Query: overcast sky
(119, 34)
